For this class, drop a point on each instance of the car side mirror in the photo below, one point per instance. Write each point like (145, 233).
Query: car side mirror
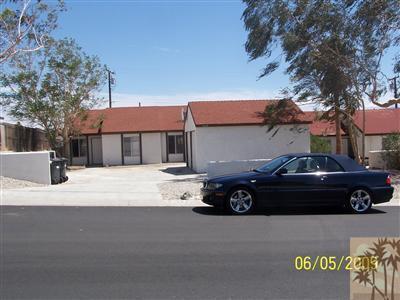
(281, 171)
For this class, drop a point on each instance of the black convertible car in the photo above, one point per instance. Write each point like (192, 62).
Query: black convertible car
(300, 180)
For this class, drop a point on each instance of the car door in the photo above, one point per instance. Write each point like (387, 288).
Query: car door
(301, 184)
(334, 181)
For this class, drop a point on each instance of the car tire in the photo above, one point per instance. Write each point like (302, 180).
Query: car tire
(240, 201)
(359, 201)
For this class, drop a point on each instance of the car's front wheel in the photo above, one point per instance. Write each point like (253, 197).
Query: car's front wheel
(360, 201)
(240, 201)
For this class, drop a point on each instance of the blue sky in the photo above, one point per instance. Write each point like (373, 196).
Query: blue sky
(170, 51)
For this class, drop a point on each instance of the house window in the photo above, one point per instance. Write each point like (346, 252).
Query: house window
(131, 146)
(79, 147)
(175, 144)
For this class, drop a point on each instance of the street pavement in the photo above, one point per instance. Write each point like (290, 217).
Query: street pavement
(177, 253)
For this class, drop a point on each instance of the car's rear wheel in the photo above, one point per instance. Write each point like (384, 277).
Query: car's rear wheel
(360, 201)
(240, 201)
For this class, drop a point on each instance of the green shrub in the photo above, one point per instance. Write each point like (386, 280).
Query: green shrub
(319, 145)
(391, 147)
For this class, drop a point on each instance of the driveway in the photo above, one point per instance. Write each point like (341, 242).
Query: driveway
(112, 186)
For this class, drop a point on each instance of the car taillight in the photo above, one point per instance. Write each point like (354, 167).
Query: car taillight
(388, 180)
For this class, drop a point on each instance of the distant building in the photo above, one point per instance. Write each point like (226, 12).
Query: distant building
(18, 138)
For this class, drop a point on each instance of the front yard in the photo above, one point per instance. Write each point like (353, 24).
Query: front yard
(143, 185)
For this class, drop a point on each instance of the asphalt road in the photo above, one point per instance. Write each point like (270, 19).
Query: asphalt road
(67, 252)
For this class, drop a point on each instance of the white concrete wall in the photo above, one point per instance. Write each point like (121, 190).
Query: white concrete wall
(225, 143)
(332, 140)
(218, 168)
(151, 148)
(373, 143)
(112, 153)
(189, 123)
(79, 161)
(32, 166)
(3, 137)
(375, 160)
(163, 137)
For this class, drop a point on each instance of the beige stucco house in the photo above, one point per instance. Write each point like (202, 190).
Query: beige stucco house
(198, 133)
(129, 136)
(236, 130)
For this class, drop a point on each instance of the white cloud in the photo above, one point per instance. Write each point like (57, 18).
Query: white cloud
(167, 50)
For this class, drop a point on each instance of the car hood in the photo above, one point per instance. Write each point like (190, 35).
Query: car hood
(237, 176)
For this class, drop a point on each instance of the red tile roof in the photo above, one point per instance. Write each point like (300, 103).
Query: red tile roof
(322, 127)
(132, 119)
(378, 121)
(241, 112)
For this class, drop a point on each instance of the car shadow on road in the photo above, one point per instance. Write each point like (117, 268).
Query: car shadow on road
(213, 211)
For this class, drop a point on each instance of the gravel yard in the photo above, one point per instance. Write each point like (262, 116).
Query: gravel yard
(11, 183)
(186, 189)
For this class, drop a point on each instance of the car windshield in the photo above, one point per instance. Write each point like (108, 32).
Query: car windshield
(274, 164)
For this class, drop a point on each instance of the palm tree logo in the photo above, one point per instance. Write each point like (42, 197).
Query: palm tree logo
(384, 280)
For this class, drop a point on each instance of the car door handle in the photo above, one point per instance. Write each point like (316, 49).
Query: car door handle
(323, 177)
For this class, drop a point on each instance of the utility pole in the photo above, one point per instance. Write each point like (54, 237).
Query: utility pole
(394, 79)
(111, 81)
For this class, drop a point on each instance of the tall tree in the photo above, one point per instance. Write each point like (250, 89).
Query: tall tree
(54, 91)
(25, 25)
(326, 45)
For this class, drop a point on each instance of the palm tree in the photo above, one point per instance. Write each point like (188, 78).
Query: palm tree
(373, 270)
(362, 275)
(380, 252)
(393, 260)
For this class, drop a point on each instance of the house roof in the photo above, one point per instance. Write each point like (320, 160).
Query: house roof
(242, 112)
(132, 119)
(321, 127)
(377, 122)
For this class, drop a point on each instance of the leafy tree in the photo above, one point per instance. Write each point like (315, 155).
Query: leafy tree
(319, 145)
(55, 90)
(25, 25)
(333, 50)
(391, 146)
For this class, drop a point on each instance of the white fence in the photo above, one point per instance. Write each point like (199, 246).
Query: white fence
(32, 166)
(218, 168)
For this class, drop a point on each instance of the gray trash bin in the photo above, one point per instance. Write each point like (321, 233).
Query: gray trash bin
(63, 169)
(55, 171)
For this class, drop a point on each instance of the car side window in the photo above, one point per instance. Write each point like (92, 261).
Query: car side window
(332, 166)
(303, 165)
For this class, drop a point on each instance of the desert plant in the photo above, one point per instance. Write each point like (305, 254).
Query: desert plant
(391, 147)
(319, 144)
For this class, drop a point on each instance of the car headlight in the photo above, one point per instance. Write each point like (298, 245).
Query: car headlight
(213, 186)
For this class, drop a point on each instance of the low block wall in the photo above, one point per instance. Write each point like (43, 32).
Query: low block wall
(375, 160)
(218, 168)
(32, 166)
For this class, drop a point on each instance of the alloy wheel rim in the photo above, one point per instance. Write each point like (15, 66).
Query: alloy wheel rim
(241, 201)
(360, 200)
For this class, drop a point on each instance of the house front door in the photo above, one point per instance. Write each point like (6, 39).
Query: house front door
(96, 150)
